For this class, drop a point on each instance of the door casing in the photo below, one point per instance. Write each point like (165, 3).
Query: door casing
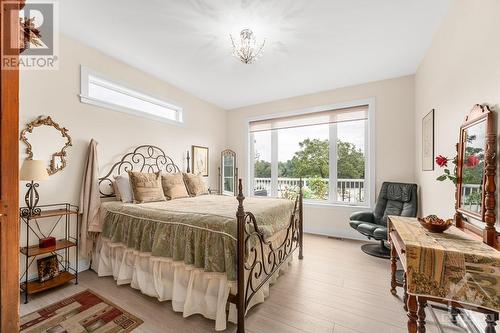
(9, 183)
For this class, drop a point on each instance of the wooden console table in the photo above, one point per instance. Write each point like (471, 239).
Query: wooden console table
(449, 268)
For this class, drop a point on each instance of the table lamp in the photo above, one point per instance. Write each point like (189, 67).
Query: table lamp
(31, 171)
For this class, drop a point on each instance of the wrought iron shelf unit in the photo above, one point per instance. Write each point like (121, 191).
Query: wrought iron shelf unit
(36, 250)
(63, 213)
(37, 286)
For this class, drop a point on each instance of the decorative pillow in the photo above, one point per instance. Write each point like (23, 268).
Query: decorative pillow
(194, 184)
(123, 190)
(173, 186)
(146, 186)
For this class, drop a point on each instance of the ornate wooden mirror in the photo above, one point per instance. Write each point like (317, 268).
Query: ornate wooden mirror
(46, 140)
(228, 173)
(476, 169)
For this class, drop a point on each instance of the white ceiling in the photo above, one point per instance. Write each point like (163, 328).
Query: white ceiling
(312, 45)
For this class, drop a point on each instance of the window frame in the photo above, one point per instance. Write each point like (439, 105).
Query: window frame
(369, 148)
(85, 81)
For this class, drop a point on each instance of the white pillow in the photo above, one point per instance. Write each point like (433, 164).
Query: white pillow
(124, 188)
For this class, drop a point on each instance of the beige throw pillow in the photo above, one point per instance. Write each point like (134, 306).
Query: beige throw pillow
(173, 186)
(146, 186)
(195, 184)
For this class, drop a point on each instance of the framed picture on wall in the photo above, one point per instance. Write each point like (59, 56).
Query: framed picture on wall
(200, 160)
(428, 141)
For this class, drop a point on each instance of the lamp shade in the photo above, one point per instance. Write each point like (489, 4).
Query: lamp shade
(34, 170)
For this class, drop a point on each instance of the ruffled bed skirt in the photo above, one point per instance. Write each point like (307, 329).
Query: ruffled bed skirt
(191, 290)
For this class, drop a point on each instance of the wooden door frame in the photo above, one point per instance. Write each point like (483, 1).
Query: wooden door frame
(9, 186)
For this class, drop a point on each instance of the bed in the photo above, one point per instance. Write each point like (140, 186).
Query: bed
(211, 255)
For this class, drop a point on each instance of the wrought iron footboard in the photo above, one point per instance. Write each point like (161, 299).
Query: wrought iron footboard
(259, 259)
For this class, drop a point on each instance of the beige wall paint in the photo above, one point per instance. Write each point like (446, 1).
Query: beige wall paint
(55, 93)
(461, 68)
(394, 152)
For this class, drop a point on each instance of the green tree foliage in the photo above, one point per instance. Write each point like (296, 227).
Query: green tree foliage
(473, 174)
(285, 169)
(311, 161)
(262, 169)
(350, 162)
(319, 188)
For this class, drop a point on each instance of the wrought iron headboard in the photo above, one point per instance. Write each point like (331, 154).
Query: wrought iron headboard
(145, 158)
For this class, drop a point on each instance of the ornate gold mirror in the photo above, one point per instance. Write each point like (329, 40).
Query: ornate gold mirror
(476, 169)
(228, 173)
(46, 140)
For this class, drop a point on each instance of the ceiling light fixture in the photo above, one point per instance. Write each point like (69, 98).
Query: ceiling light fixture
(247, 50)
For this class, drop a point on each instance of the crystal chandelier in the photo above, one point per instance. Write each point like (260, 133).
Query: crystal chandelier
(247, 50)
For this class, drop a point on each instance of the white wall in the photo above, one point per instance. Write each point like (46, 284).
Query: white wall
(461, 68)
(55, 93)
(394, 151)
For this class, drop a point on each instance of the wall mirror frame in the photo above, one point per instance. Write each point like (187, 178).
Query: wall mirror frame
(228, 173)
(57, 158)
(476, 171)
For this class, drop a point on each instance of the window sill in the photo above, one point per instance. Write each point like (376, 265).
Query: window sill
(334, 204)
(312, 203)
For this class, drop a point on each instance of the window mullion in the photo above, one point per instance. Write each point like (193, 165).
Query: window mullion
(367, 188)
(274, 163)
(251, 167)
(332, 163)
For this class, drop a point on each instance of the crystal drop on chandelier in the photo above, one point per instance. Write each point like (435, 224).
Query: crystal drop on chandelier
(247, 50)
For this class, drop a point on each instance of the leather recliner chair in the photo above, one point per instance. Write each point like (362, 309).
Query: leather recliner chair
(394, 199)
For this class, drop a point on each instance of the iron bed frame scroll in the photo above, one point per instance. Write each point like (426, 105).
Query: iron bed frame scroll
(260, 257)
(145, 158)
(257, 257)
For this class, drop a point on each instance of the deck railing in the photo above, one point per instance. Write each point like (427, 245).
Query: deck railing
(471, 197)
(351, 190)
(348, 190)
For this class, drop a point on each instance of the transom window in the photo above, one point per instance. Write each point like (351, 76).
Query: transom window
(329, 149)
(97, 90)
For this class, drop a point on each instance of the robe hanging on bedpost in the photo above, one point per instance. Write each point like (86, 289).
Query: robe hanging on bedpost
(90, 201)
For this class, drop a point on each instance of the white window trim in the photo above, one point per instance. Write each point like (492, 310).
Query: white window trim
(370, 156)
(86, 72)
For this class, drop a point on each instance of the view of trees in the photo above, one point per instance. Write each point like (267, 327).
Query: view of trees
(311, 161)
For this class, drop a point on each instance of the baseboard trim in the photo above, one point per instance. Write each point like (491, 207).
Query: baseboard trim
(339, 237)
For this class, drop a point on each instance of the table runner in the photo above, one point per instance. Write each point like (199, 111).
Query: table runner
(450, 265)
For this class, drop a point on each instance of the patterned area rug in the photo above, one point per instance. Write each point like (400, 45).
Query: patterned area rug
(82, 312)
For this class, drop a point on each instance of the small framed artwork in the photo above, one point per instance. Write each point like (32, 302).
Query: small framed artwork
(200, 160)
(428, 141)
(48, 268)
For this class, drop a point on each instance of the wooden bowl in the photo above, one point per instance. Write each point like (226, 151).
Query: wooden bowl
(435, 224)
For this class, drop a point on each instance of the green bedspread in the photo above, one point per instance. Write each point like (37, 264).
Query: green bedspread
(199, 231)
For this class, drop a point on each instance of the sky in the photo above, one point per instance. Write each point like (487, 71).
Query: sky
(288, 139)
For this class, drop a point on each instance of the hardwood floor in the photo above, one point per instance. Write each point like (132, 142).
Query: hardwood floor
(336, 288)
